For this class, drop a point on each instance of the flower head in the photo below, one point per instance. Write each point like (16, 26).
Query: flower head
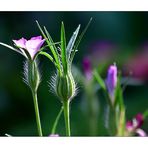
(111, 80)
(136, 122)
(32, 46)
(134, 125)
(139, 119)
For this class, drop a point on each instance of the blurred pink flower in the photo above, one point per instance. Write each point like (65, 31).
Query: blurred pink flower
(32, 46)
(102, 52)
(138, 65)
(141, 132)
(134, 125)
(87, 68)
(111, 80)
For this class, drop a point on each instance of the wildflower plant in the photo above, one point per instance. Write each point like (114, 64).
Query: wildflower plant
(115, 120)
(63, 83)
(90, 101)
(30, 50)
(115, 110)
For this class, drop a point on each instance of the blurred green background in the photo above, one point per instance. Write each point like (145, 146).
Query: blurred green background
(120, 37)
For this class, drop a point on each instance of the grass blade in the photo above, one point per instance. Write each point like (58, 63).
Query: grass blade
(12, 48)
(63, 48)
(71, 42)
(79, 40)
(50, 44)
(99, 80)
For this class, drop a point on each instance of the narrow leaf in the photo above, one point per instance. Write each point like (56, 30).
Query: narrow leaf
(12, 48)
(49, 57)
(41, 30)
(56, 121)
(53, 48)
(99, 80)
(63, 48)
(50, 44)
(71, 42)
(79, 40)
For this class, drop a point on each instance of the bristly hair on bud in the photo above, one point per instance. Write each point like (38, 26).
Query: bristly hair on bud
(31, 74)
(63, 86)
(63, 83)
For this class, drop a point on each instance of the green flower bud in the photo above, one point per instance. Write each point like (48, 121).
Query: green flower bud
(32, 76)
(65, 87)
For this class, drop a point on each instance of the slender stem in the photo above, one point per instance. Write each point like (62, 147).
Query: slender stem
(56, 121)
(34, 94)
(121, 123)
(67, 119)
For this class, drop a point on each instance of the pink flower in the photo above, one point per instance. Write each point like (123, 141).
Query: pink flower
(32, 46)
(134, 125)
(111, 80)
(136, 122)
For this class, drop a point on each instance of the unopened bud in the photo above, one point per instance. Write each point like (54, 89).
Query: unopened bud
(32, 75)
(65, 87)
(111, 81)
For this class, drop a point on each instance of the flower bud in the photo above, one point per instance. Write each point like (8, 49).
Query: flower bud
(111, 81)
(32, 76)
(65, 87)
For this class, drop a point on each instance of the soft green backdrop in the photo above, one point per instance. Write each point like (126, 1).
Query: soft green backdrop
(126, 32)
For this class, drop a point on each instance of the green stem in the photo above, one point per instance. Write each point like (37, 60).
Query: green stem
(34, 94)
(121, 123)
(56, 121)
(67, 119)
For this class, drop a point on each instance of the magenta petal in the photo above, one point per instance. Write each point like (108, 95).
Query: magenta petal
(129, 125)
(139, 118)
(141, 132)
(87, 68)
(34, 45)
(37, 37)
(21, 42)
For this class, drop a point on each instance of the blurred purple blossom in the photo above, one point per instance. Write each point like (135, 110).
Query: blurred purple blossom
(87, 68)
(139, 119)
(102, 51)
(32, 46)
(138, 64)
(111, 80)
